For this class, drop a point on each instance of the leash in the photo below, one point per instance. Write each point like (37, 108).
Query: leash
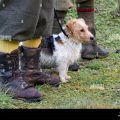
(56, 16)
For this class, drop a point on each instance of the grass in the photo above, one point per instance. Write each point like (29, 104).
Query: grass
(97, 83)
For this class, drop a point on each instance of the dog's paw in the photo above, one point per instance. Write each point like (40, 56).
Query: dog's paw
(63, 80)
(68, 77)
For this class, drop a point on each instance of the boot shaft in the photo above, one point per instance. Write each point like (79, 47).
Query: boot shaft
(8, 63)
(29, 58)
(85, 10)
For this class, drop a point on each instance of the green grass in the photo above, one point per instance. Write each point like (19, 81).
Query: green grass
(97, 83)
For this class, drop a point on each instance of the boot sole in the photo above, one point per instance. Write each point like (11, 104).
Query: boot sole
(70, 69)
(56, 85)
(29, 100)
(53, 85)
(99, 57)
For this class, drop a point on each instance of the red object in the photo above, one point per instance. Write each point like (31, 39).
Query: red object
(85, 9)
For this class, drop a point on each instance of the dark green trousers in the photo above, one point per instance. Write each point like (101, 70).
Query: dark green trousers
(26, 19)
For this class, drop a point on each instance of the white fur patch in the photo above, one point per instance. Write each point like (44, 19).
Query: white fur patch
(63, 56)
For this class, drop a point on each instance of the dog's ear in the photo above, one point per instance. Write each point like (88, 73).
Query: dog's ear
(71, 23)
(81, 19)
(70, 26)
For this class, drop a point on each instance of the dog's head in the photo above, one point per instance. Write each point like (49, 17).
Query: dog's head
(78, 30)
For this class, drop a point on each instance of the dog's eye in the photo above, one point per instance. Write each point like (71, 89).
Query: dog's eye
(82, 30)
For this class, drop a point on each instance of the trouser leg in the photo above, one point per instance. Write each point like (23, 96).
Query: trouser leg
(85, 9)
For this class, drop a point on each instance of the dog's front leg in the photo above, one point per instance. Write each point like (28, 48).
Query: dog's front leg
(63, 69)
(68, 77)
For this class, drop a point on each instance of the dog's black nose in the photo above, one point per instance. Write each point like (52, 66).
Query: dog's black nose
(92, 38)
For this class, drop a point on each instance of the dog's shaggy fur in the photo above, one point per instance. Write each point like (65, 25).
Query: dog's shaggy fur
(63, 51)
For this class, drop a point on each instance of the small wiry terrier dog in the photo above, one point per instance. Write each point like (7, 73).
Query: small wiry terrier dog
(63, 51)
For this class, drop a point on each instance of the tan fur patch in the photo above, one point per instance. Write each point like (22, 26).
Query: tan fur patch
(60, 42)
(78, 30)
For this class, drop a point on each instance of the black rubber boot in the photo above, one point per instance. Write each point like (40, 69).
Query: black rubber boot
(90, 52)
(117, 51)
(74, 67)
